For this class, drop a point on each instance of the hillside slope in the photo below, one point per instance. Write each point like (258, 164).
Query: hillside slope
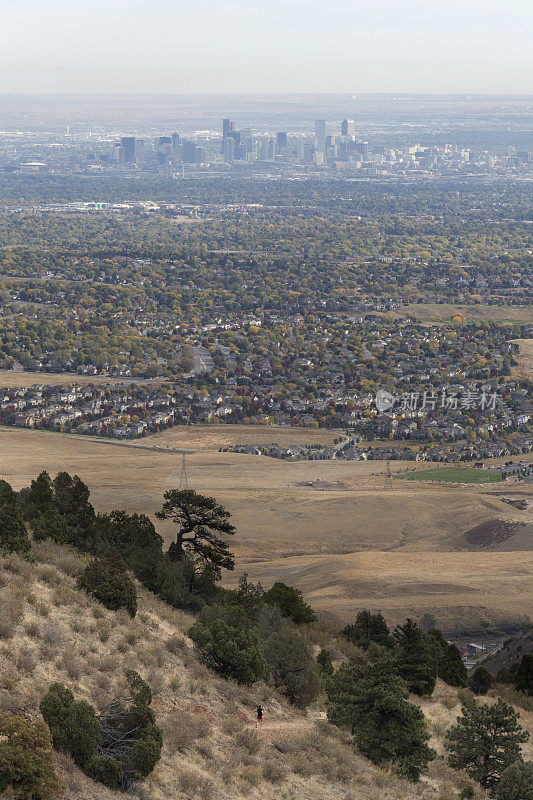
(509, 653)
(49, 631)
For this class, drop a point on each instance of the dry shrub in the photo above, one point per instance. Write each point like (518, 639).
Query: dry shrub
(78, 626)
(285, 743)
(156, 682)
(9, 701)
(53, 636)
(512, 696)
(382, 779)
(73, 666)
(8, 626)
(249, 740)
(446, 793)
(106, 663)
(203, 749)
(103, 630)
(439, 725)
(181, 729)
(42, 608)
(46, 653)
(174, 682)
(301, 765)
(465, 696)
(132, 636)
(64, 595)
(26, 661)
(273, 771)
(33, 629)
(12, 612)
(50, 576)
(176, 644)
(450, 702)
(195, 785)
(251, 775)
(103, 681)
(151, 656)
(231, 725)
(8, 676)
(16, 565)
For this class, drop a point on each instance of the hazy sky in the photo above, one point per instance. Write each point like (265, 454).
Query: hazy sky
(176, 46)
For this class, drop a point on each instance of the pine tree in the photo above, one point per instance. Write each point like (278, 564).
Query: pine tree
(71, 498)
(523, 677)
(450, 667)
(323, 660)
(38, 498)
(26, 760)
(290, 602)
(200, 522)
(228, 643)
(516, 782)
(108, 580)
(485, 741)
(371, 700)
(292, 668)
(13, 534)
(368, 628)
(415, 658)
(480, 681)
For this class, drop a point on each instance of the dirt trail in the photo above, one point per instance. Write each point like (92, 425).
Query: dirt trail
(293, 726)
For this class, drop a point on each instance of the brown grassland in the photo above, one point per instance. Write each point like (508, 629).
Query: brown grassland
(328, 527)
(10, 379)
(444, 312)
(524, 370)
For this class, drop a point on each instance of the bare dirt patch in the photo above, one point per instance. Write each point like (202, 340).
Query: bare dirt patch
(490, 535)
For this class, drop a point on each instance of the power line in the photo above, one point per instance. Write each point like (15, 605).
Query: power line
(184, 481)
(388, 476)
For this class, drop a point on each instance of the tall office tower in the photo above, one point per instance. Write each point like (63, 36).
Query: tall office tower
(200, 155)
(188, 152)
(175, 141)
(281, 139)
(229, 148)
(227, 127)
(320, 135)
(128, 150)
(163, 145)
(348, 127)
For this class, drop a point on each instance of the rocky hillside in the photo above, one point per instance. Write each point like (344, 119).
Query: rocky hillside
(50, 631)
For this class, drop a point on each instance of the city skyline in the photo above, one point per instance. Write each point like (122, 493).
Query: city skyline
(132, 47)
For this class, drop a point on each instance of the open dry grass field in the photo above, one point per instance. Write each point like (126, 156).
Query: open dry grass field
(452, 586)
(311, 522)
(454, 475)
(214, 437)
(9, 379)
(524, 370)
(444, 312)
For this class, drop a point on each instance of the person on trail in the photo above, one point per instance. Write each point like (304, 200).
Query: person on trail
(259, 714)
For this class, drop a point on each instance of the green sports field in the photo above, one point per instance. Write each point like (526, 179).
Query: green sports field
(454, 475)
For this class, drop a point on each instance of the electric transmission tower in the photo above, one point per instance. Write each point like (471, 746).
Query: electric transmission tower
(184, 482)
(388, 476)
